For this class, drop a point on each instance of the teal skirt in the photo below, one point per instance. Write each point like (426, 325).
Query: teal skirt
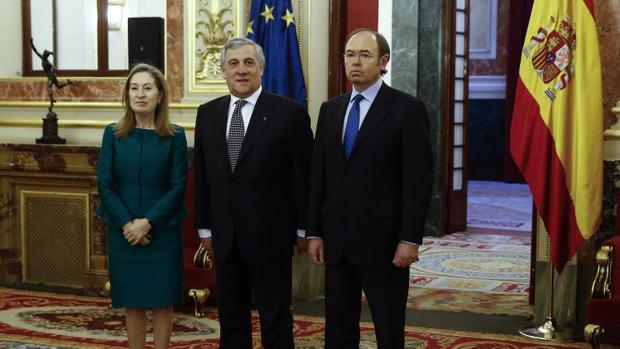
(147, 276)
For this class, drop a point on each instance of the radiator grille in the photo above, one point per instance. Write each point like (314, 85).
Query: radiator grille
(55, 241)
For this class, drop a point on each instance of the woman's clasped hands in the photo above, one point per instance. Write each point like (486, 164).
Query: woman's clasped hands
(137, 232)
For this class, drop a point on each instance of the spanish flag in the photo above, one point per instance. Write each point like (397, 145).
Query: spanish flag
(557, 126)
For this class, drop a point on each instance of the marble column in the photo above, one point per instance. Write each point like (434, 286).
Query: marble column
(417, 69)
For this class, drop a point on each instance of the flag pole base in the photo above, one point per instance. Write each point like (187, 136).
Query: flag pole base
(546, 332)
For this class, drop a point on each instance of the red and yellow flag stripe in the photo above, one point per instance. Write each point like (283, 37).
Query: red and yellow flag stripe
(557, 127)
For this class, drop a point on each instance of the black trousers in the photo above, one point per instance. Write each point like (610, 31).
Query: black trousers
(270, 284)
(386, 289)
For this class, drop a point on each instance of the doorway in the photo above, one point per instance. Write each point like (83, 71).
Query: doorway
(482, 264)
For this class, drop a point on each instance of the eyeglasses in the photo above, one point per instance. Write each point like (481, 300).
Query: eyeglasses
(363, 56)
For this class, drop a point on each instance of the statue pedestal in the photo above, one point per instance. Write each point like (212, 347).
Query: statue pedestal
(50, 130)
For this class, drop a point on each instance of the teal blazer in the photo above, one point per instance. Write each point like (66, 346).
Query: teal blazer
(143, 176)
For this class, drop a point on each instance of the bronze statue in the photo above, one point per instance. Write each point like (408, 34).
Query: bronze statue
(50, 71)
(50, 122)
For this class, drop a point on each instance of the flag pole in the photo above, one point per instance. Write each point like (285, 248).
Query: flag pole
(548, 330)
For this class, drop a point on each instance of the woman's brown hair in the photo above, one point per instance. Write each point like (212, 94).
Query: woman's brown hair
(162, 120)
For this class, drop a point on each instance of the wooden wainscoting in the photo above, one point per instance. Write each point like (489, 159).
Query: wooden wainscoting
(49, 233)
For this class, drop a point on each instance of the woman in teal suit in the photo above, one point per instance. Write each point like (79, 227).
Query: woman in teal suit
(141, 178)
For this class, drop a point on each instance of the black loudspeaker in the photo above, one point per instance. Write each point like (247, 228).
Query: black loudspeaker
(145, 38)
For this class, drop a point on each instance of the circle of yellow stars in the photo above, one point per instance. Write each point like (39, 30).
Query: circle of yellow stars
(268, 15)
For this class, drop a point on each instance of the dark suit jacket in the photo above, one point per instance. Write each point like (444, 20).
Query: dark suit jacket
(263, 203)
(363, 207)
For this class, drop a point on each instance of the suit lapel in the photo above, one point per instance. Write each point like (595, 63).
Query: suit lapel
(339, 112)
(219, 128)
(259, 119)
(379, 109)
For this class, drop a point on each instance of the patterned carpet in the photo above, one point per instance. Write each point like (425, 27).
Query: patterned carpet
(37, 320)
(485, 270)
(468, 301)
(474, 266)
(497, 205)
(472, 272)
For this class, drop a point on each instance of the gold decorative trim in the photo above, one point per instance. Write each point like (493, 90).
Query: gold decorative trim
(603, 256)
(84, 105)
(304, 47)
(65, 105)
(592, 334)
(200, 297)
(22, 210)
(602, 280)
(202, 259)
(107, 289)
(75, 123)
(69, 123)
(611, 135)
(21, 160)
(215, 33)
(299, 26)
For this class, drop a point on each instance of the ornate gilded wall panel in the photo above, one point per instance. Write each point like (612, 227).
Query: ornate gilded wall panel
(211, 24)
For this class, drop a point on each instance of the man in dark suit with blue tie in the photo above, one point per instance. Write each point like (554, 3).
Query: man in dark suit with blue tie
(251, 165)
(369, 195)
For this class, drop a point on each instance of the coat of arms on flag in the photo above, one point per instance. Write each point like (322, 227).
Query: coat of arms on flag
(554, 54)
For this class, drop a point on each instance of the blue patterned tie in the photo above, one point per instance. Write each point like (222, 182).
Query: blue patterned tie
(353, 125)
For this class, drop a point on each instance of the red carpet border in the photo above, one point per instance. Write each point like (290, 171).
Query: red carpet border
(46, 320)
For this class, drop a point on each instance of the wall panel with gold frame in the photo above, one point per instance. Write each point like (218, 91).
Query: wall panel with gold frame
(210, 23)
(311, 20)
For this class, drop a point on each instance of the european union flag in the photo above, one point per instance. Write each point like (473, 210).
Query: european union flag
(272, 26)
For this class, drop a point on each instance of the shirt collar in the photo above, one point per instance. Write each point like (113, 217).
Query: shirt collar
(252, 99)
(370, 93)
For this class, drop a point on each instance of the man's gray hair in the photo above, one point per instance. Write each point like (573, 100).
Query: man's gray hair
(237, 42)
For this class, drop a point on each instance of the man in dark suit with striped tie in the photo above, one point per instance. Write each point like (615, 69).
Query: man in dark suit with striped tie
(251, 165)
(370, 187)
